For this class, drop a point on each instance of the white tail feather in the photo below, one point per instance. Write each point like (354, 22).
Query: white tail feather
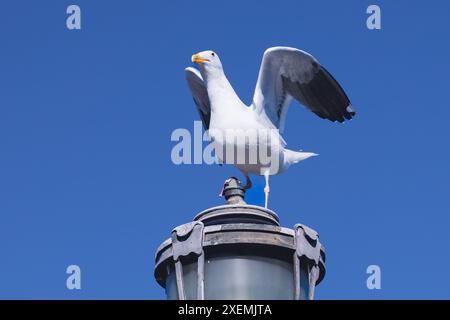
(295, 156)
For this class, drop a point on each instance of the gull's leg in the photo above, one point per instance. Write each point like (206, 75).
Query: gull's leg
(266, 189)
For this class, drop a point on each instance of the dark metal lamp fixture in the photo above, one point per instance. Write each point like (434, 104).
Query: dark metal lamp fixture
(239, 251)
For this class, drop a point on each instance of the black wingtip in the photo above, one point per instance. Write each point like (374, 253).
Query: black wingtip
(349, 112)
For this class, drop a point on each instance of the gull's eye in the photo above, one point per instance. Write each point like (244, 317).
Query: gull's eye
(213, 54)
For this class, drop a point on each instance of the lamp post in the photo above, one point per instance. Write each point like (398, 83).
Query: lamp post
(239, 251)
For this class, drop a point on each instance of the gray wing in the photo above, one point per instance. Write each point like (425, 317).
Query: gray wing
(200, 95)
(289, 73)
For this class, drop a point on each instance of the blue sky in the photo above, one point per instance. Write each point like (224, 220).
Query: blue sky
(86, 117)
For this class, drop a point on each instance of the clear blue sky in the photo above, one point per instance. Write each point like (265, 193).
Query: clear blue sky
(86, 118)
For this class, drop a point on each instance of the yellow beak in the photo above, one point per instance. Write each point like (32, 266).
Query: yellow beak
(197, 59)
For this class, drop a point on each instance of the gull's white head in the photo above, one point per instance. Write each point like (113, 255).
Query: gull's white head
(208, 61)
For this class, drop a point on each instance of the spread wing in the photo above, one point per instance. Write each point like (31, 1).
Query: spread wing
(289, 73)
(200, 95)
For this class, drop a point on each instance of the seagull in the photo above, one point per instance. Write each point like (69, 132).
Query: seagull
(286, 74)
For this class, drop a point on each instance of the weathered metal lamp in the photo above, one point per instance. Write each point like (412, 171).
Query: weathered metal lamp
(239, 251)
